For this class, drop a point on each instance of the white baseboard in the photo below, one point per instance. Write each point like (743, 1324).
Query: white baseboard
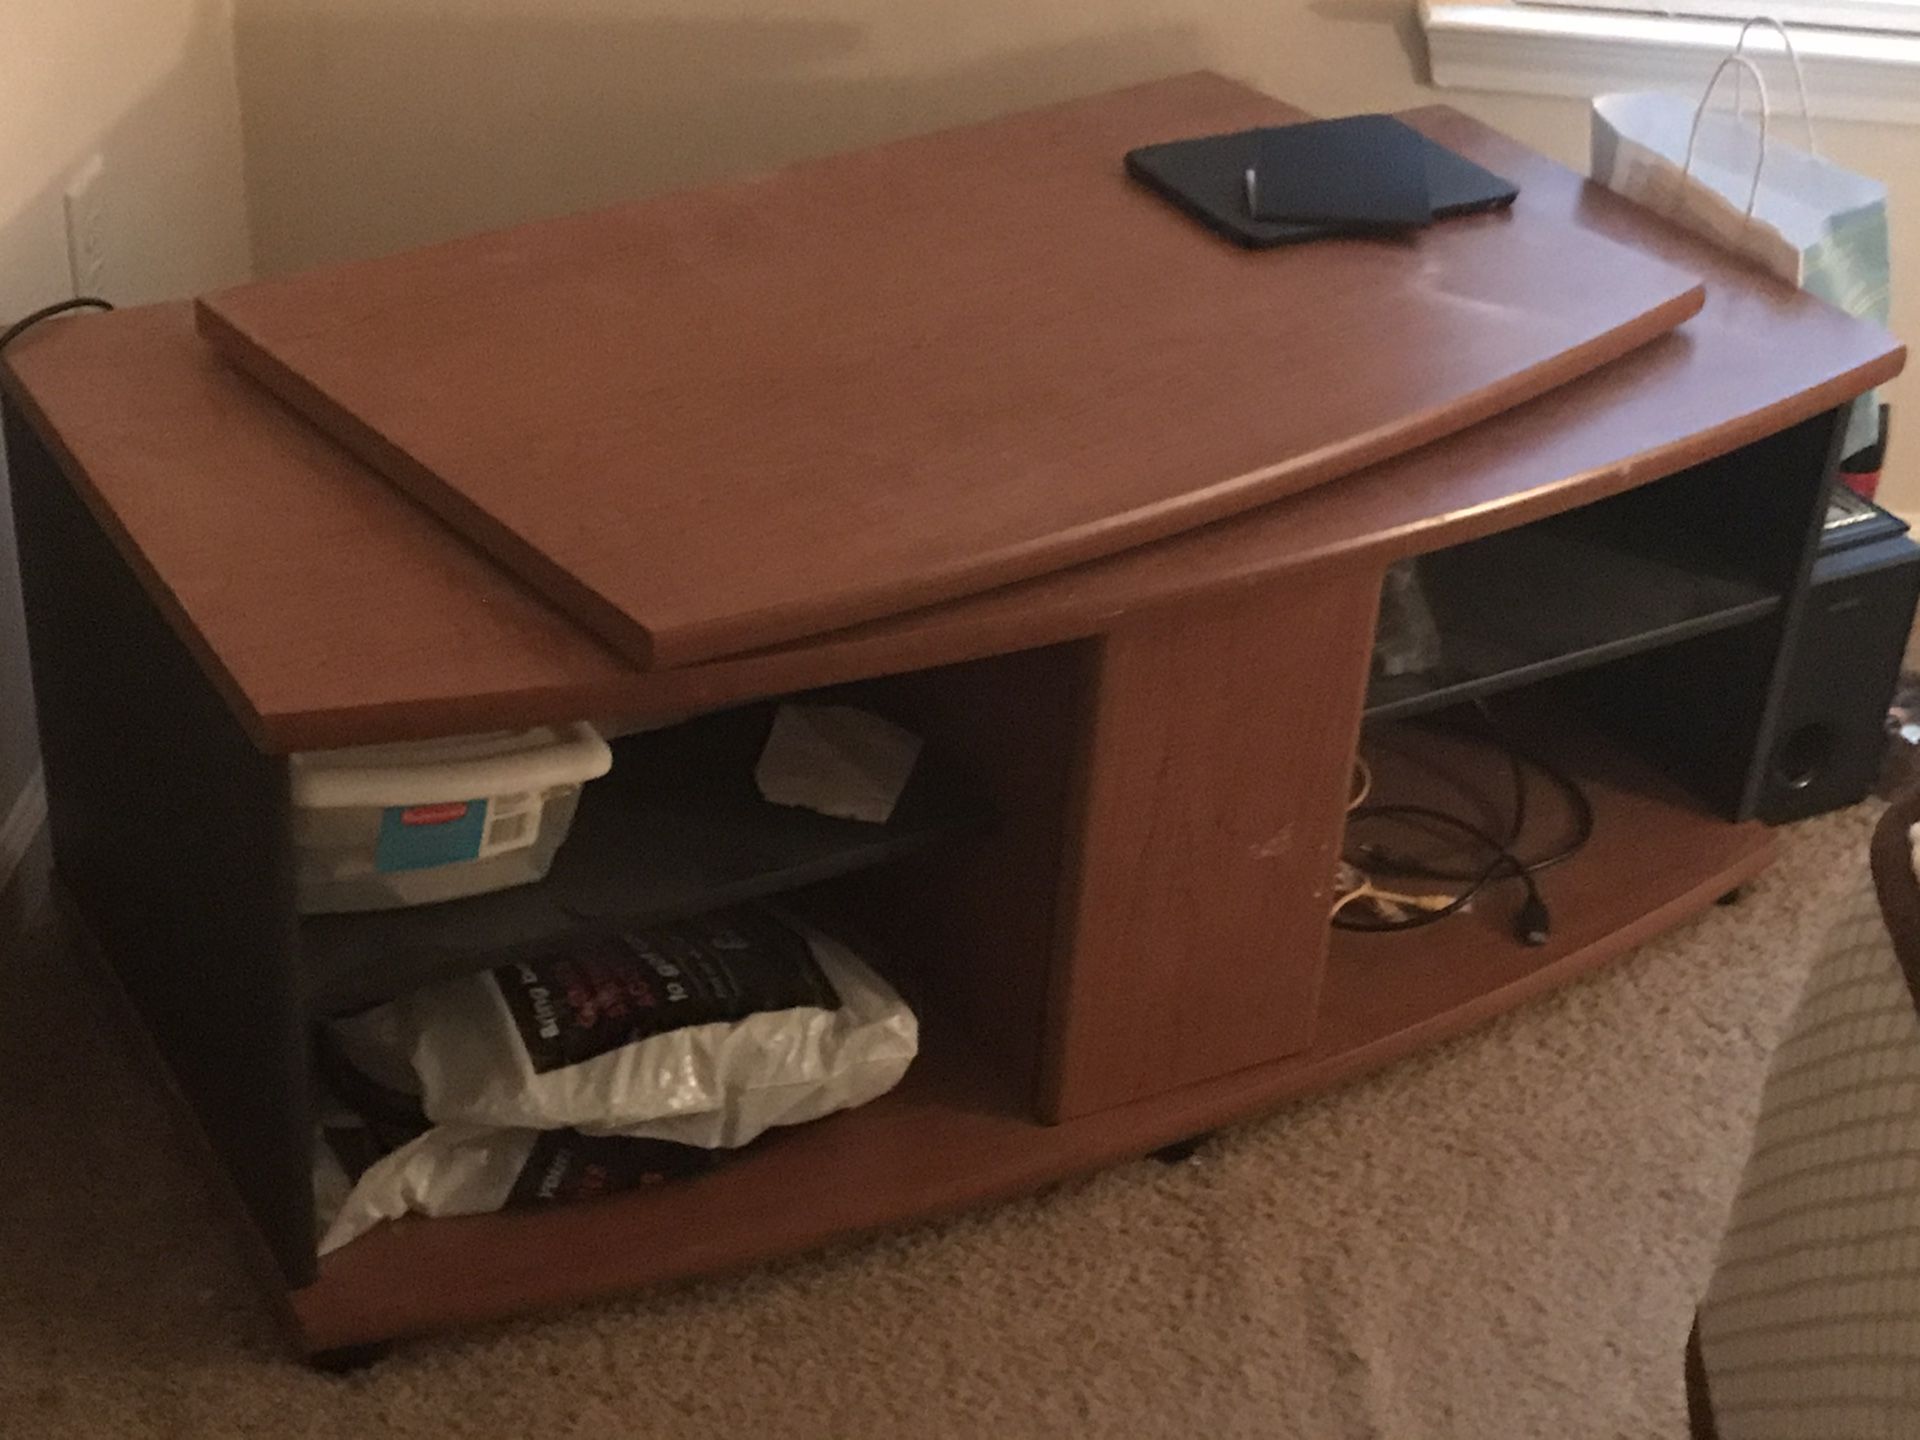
(21, 825)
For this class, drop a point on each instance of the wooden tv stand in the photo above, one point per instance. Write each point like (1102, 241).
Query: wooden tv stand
(1131, 950)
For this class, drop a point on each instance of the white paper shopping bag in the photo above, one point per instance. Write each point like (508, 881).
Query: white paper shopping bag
(1725, 178)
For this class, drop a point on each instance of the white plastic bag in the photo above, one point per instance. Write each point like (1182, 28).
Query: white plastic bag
(704, 1032)
(476, 1170)
(1726, 179)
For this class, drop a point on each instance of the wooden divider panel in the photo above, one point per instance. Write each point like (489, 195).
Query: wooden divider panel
(1214, 776)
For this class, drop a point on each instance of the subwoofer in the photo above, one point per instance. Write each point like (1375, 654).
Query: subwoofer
(1839, 672)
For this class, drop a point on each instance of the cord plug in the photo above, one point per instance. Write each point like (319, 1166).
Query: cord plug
(1533, 925)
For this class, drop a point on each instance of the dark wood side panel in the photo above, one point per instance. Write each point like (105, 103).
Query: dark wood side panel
(170, 832)
(1708, 710)
(1213, 782)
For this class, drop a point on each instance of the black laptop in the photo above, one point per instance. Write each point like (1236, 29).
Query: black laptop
(1207, 177)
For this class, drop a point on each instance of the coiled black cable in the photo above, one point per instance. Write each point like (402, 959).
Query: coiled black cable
(1533, 923)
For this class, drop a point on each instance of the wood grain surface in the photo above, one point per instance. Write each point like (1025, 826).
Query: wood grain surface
(976, 920)
(956, 1133)
(1213, 781)
(723, 419)
(334, 612)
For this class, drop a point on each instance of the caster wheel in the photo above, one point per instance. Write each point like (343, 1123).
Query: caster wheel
(350, 1359)
(1182, 1151)
(1733, 896)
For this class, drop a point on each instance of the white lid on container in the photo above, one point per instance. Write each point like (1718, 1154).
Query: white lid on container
(437, 772)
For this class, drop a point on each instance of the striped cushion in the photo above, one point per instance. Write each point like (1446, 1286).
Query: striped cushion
(1811, 1323)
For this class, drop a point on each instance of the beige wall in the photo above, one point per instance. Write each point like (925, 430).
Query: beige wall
(149, 85)
(376, 124)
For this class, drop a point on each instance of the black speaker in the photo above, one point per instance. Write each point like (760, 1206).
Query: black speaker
(1842, 663)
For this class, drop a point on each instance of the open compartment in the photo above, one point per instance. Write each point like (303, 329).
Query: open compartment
(953, 902)
(1712, 548)
(1553, 596)
(676, 828)
(1655, 853)
(1633, 645)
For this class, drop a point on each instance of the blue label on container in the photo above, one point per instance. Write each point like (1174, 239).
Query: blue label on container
(419, 837)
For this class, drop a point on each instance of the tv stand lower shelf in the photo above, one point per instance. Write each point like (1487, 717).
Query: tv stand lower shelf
(958, 1133)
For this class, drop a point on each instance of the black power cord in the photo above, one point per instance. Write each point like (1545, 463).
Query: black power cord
(1534, 922)
(46, 312)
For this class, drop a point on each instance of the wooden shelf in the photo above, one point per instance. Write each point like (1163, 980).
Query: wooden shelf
(678, 827)
(1655, 855)
(957, 1134)
(1553, 597)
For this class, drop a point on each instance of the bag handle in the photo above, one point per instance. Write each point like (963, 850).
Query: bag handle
(1799, 72)
(1733, 57)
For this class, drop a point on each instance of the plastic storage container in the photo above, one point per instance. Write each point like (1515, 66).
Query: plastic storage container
(378, 827)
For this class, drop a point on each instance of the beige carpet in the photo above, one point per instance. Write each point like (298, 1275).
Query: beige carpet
(1501, 1239)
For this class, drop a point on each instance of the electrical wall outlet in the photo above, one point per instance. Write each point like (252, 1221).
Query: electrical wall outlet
(86, 209)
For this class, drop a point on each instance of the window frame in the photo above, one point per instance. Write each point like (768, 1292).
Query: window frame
(1536, 49)
(1898, 17)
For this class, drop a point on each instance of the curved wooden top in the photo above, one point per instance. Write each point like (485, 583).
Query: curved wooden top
(333, 612)
(737, 416)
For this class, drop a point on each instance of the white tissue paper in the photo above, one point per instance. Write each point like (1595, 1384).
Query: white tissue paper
(837, 760)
